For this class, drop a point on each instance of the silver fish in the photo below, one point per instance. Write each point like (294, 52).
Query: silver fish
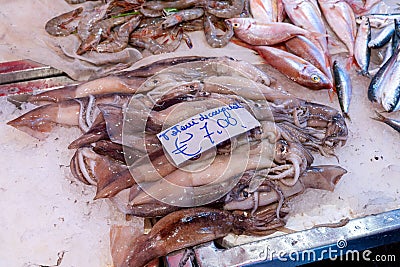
(390, 92)
(396, 34)
(395, 124)
(379, 20)
(382, 38)
(343, 87)
(362, 52)
(384, 56)
(376, 85)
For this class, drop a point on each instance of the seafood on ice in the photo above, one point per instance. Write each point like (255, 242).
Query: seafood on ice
(240, 185)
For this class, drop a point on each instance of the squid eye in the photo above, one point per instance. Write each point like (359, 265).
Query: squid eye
(315, 78)
(236, 25)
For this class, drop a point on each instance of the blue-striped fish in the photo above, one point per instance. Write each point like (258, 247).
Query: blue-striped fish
(383, 37)
(343, 87)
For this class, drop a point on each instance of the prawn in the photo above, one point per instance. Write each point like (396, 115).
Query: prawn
(121, 38)
(210, 31)
(230, 11)
(101, 29)
(182, 16)
(64, 24)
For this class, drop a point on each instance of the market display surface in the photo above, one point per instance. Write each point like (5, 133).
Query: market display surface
(226, 123)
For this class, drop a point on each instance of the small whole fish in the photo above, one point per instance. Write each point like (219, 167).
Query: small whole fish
(375, 87)
(383, 37)
(362, 52)
(396, 34)
(264, 10)
(383, 78)
(395, 124)
(304, 48)
(260, 33)
(380, 20)
(343, 88)
(390, 92)
(384, 56)
(362, 6)
(306, 14)
(341, 18)
(294, 67)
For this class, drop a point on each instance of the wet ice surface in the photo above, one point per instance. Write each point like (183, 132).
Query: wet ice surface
(370, 156)
(46, 212)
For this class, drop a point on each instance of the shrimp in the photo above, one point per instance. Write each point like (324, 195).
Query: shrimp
(121, 38)
(231, 11)
(158, 48)
(63, 24)
(101, 29)
(150, 13)
(150, 29)
(182, 16)
(161, 5)
(213, 39)
(193, 25)
(73, 2)
(89, 19)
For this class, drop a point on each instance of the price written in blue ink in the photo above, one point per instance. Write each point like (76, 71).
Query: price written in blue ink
(189, 138)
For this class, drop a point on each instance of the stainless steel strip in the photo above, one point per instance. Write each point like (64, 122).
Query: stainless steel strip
(32, 86)
(270, 249)
(22, 70)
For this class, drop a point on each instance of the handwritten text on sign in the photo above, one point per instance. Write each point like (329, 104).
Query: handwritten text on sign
(201, 132)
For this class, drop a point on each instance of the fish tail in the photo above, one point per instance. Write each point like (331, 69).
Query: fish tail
(347, 116)
(364, 73)
(379, 117)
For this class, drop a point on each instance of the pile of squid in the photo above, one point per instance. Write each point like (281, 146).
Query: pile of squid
(154, 26)
(120, 154)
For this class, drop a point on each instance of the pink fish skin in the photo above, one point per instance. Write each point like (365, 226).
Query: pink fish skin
(340, 17)
(304, 48)
(260, 33)
(306, 14)
(294, 67)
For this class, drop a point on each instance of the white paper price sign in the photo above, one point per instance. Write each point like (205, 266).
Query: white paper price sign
(203, 131)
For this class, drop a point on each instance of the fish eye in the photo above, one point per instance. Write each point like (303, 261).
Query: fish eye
(315, 78)
(235, 25)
